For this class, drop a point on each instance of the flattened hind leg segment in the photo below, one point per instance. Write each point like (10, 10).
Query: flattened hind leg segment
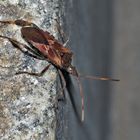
(19, 22)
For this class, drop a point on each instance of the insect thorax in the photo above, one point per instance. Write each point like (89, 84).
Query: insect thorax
(66, 60)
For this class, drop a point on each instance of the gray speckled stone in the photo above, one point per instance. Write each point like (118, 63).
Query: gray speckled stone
(27, 103)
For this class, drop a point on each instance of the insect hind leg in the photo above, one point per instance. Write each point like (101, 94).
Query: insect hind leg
(24, 48)
(19, 22)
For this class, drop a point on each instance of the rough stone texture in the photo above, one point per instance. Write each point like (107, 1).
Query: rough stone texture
(27, 103)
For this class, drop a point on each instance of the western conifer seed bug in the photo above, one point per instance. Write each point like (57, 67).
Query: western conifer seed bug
(43, 46)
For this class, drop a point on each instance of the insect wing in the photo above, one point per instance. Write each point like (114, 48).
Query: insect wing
(65, 53)
(37, 38)
(34, 35)
(55, 43)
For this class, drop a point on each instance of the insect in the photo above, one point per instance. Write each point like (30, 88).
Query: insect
(43, 46)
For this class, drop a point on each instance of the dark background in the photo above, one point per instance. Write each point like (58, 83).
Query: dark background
(105, 38)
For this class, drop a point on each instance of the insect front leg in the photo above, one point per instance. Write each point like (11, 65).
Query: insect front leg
(35, 74)
(63, 85)
(62, 34)
(63, 80)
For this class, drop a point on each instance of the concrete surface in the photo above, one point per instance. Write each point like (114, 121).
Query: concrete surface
(27, 104)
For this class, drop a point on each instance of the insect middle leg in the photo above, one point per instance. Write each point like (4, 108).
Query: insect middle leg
(35, 74)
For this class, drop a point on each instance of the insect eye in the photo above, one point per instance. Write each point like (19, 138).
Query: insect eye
(70, 70)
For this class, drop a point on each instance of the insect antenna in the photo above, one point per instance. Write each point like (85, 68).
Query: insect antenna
(98, 78)
(81, 90)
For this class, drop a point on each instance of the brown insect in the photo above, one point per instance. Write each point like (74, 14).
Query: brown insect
(44, 46)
